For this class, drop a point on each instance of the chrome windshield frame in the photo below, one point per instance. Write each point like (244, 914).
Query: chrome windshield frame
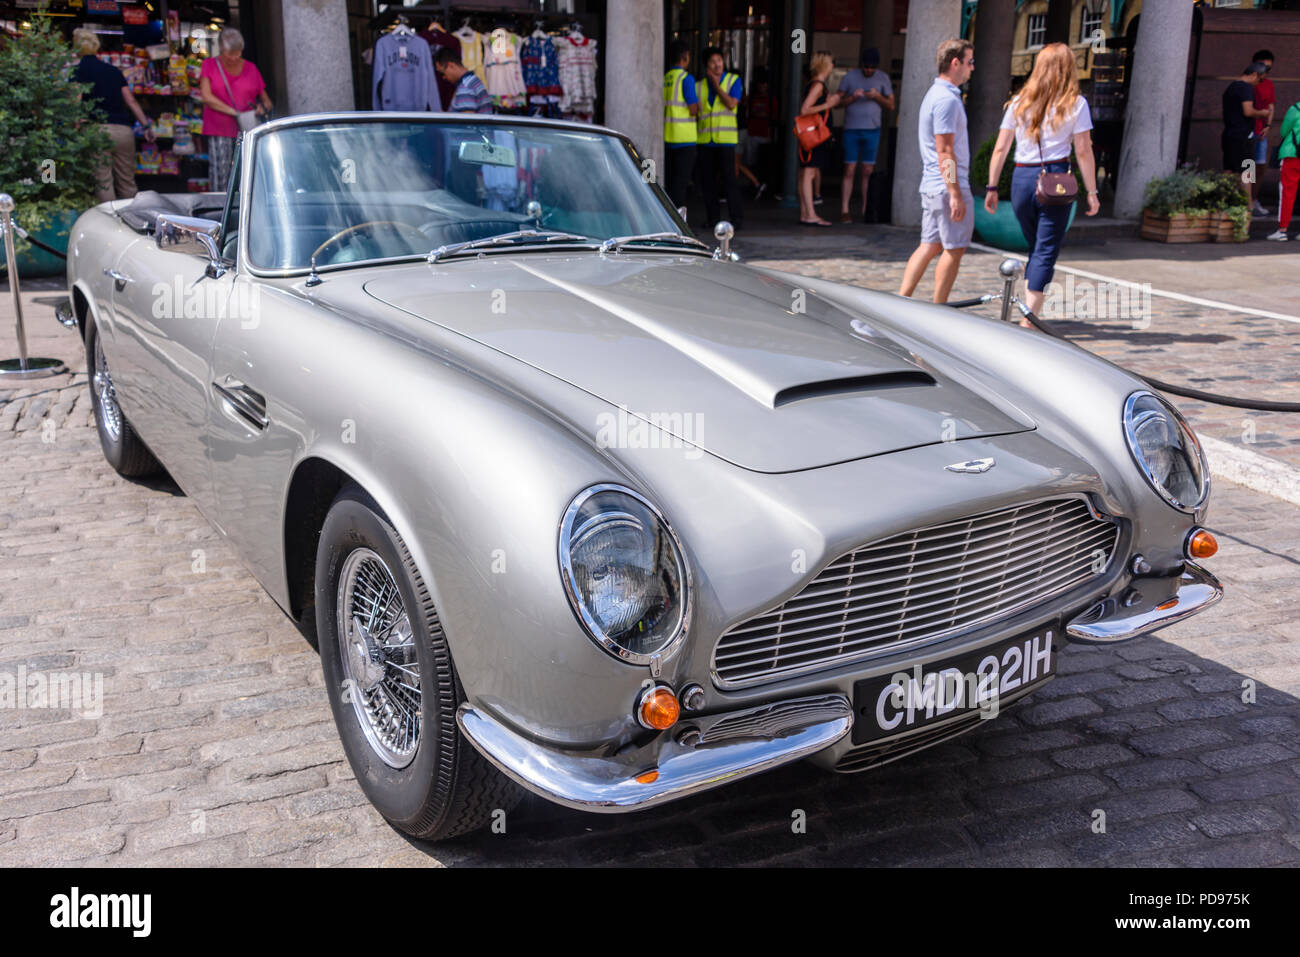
(248, 147)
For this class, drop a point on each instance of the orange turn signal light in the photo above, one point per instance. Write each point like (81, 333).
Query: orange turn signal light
(1201, 544)
(659, 709)
(648, 777)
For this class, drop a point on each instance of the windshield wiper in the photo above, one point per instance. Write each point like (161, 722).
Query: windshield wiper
(516, 238)
(617, 242)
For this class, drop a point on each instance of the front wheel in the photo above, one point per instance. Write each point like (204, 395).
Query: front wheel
(124, 450)
(391, 682)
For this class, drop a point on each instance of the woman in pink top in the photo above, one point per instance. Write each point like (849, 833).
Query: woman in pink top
(228, 84)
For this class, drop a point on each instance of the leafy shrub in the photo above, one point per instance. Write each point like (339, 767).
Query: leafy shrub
(50, 139)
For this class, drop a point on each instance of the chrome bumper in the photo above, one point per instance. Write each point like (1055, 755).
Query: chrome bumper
(728, 747)
(1147, 604)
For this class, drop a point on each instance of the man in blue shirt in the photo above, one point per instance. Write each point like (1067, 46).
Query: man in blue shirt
(868, 92)
(946, 204)
(717, 139)
(681, 106)
(471, 95)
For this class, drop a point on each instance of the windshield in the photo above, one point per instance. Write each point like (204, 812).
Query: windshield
(356, 191)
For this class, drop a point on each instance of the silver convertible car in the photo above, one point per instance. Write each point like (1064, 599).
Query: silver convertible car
(575, 504)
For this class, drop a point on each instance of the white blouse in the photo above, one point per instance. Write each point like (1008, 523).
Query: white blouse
(1056, 142)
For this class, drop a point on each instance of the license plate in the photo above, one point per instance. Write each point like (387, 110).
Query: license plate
(979, 680)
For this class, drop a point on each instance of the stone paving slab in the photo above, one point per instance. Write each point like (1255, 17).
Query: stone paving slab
(216, 746)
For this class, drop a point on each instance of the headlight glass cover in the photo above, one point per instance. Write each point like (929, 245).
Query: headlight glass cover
(1166, 451)
(624, 574)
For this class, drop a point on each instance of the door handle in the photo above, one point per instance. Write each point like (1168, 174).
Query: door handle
(244, 405)
(120, 278)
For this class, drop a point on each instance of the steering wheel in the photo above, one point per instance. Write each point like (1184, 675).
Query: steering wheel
(344, 233)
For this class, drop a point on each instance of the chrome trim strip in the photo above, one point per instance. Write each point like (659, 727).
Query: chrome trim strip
(588, 782)
(1148, 604)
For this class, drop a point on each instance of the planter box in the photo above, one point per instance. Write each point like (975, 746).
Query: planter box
(37, 262)
(1179, 228)
(1221, 229)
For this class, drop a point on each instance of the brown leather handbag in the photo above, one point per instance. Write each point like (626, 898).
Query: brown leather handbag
(1055, 189)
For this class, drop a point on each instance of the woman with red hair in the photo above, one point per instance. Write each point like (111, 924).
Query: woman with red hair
(1046, 118)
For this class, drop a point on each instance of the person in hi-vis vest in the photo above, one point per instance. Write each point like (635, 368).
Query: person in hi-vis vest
(716, 142)
(681, 104)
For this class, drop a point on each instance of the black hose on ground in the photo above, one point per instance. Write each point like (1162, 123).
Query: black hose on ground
(1236, 402)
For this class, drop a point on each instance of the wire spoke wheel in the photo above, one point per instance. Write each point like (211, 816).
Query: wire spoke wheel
(102, 384)
(377, 650)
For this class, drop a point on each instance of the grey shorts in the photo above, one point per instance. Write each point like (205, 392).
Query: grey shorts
(937, 225)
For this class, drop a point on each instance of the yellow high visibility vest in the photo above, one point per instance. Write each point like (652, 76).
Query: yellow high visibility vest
(679, 125)
(717, 123)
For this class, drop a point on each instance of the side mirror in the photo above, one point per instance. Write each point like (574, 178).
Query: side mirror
(192, 237)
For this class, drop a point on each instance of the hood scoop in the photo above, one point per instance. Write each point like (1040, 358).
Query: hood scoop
(769, 376)
(853, 385)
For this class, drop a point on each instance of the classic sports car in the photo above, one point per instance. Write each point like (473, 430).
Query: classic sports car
(574, 503)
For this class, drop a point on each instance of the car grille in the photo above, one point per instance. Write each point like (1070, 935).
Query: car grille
(874, 755)
(919, 585)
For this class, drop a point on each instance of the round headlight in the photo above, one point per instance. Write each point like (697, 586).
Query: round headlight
(1165, 448)
(624, 574)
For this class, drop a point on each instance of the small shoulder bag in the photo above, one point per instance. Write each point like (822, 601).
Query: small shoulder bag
(1055, 189)
(247, 119)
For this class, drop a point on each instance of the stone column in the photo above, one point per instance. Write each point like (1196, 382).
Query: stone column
(990, 84)
(798, 20)
(929, 23)
(1154, 116)
(317, 56)
(634, 73)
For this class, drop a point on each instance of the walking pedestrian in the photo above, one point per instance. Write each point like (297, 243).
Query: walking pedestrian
(111, 95)
(1289, 154)
(815, 100)
(228, 86)
(946, 215)
(1265, 98)
(681, 105)
(470, 95)
(717, 138)
(866, 92)
(1239, 114)
(1046, 119)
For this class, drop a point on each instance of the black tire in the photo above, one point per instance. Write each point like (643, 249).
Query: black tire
(128, 455)
(448, 788)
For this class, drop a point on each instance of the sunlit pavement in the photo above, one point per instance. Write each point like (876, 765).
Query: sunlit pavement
(216, 744)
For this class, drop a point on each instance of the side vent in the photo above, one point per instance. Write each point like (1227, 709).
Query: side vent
(850, 385)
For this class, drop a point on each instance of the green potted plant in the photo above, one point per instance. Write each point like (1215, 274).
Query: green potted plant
(1225, 196)
(1001, 228)
(1195, 206)
(50, 142)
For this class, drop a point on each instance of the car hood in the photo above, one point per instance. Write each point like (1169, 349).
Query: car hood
(724, 358)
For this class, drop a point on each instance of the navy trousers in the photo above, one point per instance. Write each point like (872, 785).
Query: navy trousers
(1043, 226)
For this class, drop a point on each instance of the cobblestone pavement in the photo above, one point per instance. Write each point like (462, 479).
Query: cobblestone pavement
(1208, 349)
(216, 745)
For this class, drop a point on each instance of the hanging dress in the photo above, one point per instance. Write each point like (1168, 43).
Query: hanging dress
(471, 51)
(505, 77)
